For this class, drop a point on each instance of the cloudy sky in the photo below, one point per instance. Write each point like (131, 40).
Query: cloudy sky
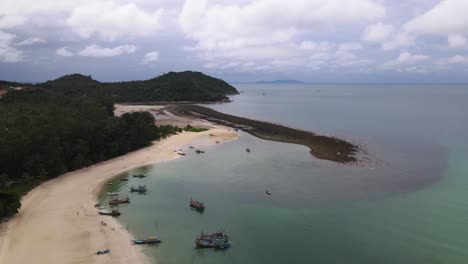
(238, 40)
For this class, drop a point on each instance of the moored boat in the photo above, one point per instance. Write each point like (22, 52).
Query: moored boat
(112, 193)
(218, 240)
(140, 189)
(200, 206)
(112, 213)
(119, 200)
(124, 179)
(149, 240)
(138, 176)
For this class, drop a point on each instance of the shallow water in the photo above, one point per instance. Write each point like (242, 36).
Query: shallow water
(408, 206)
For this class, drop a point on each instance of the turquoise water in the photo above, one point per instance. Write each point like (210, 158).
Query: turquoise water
(409, 205)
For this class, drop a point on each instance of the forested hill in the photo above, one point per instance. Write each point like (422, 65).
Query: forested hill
(173, 86)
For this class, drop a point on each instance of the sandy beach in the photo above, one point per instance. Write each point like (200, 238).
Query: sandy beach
(58, 223)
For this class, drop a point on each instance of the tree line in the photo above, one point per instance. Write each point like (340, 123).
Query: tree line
(45, 133)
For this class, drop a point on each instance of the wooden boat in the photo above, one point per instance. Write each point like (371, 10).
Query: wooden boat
(199, 206)
(103, 251)
(182, 154)
(119, 201)
(140, 189)
(138, 176)
(149, 240)
(124, 179)
(218, 240)
(111, 213)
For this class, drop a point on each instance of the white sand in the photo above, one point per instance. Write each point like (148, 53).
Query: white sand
(48, 230)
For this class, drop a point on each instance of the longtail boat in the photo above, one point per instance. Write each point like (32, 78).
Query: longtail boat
(140, 189)
(218, 240)
(119, 201)
(149, 240)
(199, 206)
(112, 213)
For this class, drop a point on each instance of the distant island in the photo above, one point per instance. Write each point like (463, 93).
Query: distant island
(170, 87)
(281, 81)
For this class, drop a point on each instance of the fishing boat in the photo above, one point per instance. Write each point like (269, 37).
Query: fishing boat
(111, 213)
(124, 179)
(199, 206)
(218, 240)
(180, 153)
(112, 193)
(138, 176)
(140, 189)
(199, 151)
(119, 201)
(149, 240)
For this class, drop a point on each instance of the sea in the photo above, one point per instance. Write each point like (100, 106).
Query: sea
(407, 203)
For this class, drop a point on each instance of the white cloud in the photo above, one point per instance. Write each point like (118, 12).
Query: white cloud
(150, 57)
(64, 51)
(446, 18)
(98, 51)
(110, 20)
(7, 52)
(377, 33)
(31, 41)
(457, 60)
(406, 61)
(457, 41)
(400, 40)
(266, 31)
(8, 21)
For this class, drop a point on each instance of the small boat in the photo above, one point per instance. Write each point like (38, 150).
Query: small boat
(138, 176)
(109, 183)
(268, 192)
(191, 147)
(199, 151)
(112, 193)
(199, 206)
(218, 240)
(247, 149)
(124, 179)
(111, 213)
(140, 189)
(119, 201)
(149, 240)
(180, 153)
(103, 251)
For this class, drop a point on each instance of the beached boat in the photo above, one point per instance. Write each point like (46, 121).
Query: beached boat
(140, 189)
(112, 213)
(149, 240)
(119, 200)
(218, 240)
(124, 179)
(103, 251)
(139, 176)
(199, 206)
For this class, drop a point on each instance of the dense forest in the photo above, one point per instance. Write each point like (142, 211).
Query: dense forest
(44, 134)
(173, 86)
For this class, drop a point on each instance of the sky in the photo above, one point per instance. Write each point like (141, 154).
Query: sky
(238, 40)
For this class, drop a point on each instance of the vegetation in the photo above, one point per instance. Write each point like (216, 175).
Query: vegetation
(170, 87)
(44, 134)
(322, 147)
(190, 128)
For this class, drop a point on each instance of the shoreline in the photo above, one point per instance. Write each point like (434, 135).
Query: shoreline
(57, 222)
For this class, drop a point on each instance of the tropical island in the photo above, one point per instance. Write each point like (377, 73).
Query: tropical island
(86, 131)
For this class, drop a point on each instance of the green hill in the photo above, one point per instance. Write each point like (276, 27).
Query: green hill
(173, 86)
